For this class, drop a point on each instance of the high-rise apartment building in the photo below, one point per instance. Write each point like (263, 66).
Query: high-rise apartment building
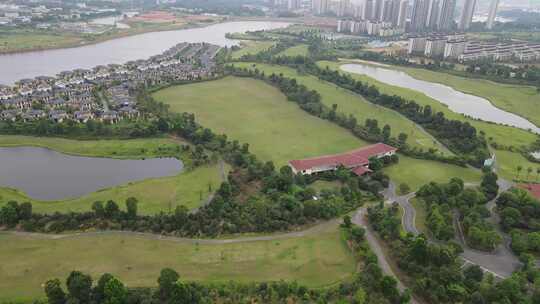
(467, 14)
(419, 15)
(432, 18)
(492, 13)
(446, 16)
(319, 7)
(367, 11)
(343, 8)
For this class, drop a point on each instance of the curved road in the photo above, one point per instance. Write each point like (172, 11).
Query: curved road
(501, 262)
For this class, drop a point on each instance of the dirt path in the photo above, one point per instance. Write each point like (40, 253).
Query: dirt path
(314, 230)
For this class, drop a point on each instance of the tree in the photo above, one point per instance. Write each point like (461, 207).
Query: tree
(131, 206)
(167, 281)
(25, 211)
(79, 286)
(8, 215)
(54, 292)
(115, 292)
(519, 168)
(111, 209)
(347, 221)
(360, 296)
(404, 188)
(98, 209)
(529, 171)
(99, 290)
(537, 173)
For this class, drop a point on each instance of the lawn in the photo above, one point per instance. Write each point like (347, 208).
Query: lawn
(24, 40)
(188, 188)
(122, 149)
(417, 172)
(256, 113)
(421, 215)
(521, 100)
(251, 47)
(297, 50)
(137, 260)
(155, 195)
(350, 103)
(507, 163)
(501, 134)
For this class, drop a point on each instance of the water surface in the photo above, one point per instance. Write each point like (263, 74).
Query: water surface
(44, 174)
(50, 62)
(470, 105)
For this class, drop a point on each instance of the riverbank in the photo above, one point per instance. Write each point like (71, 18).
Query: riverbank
(72, 41)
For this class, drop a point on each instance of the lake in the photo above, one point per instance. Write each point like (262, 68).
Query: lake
(50, 62)
(470, 105)
(44, 174)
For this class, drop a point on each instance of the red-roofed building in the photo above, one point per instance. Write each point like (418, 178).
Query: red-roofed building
(356, 160)
(534, 189)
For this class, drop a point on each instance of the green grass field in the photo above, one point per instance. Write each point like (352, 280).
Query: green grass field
(417, 172)
(421, 215)
(500, 134)
(123, 149)
(350, 103)
(297, 50)
(250, 47)
(137, 260)
(188, 188)
(256, 113)
(24, 40)
(521, 100)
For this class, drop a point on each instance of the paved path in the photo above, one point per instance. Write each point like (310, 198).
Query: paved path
(501, 262)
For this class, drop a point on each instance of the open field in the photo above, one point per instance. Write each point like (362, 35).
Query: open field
(137, 260)
(350, 103)
(25, 40)
(189, 188)
(521, 100)
(500, 134)
(297, 50)
(250, 47)
(122, 149)
(507, 163)
(417, 172)
(256, 113)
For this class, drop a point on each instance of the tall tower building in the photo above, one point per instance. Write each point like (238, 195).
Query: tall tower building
(378, 10)
(446, 17)
(294, 4)
(343, 8)
(401, 20)
(319, 7)
(492, 13)
(419, 15)
(367, 11)
(467, 14)
(432, 14)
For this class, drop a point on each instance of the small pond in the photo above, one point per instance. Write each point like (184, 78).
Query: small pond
(44, 174)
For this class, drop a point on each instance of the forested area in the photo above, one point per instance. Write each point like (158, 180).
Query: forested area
(443, 202)
(520, 216)
(435, 273)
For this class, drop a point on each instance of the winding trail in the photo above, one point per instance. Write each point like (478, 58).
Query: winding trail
(501, 262)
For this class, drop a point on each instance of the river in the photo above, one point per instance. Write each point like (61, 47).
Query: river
(44, 174)
(50, 62)
(470, 105)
